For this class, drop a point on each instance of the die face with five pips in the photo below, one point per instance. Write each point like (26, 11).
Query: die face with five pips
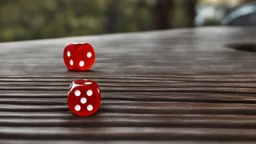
(84, 97)
(78, 56)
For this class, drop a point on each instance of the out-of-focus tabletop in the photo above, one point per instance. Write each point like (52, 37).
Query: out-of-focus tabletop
(175, 86)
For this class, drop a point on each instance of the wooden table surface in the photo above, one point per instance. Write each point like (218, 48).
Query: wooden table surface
(176, 86)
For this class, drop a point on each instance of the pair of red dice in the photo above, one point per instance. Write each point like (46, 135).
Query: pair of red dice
(84, 96)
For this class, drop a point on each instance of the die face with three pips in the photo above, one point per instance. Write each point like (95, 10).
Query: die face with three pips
(84, 97)
(78, 56)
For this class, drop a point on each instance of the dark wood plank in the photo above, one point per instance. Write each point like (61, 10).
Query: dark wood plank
(124, 133)
(114, 142)
(177, 86)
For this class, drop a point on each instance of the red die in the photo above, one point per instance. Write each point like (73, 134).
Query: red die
(79, 56)
(84, 97)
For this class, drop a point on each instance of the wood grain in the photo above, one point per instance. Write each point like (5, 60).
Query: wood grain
(177, 86)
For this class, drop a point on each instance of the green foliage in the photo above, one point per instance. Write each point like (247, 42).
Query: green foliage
(37, 19)
(34, 19)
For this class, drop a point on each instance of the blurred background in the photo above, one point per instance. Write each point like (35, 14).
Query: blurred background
(35, 19)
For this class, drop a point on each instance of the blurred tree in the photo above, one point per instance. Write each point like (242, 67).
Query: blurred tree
(112, 15)
(190, 10)
(162, 14)
(143, 16)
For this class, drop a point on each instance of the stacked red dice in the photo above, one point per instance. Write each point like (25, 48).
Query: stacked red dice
(79, 56)
(84, 97)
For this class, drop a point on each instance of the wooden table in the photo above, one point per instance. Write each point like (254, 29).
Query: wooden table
(175, 86)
